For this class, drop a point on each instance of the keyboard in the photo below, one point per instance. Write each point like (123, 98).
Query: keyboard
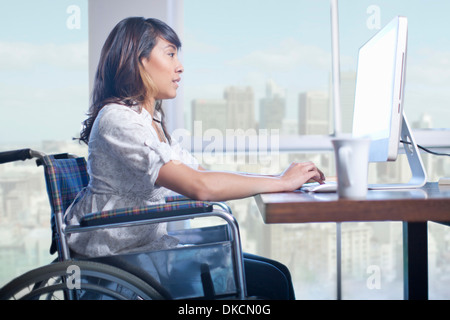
(330, 186)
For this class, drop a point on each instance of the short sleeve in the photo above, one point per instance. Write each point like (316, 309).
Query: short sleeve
(129, 139)
(184, 156)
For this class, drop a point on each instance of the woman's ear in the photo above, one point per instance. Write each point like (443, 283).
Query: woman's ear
(145, 61)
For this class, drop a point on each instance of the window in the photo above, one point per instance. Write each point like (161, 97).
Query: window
(44, 60)
(276, 57)
(44, 93)
(264, 52)
(261, 69)
(427, 74)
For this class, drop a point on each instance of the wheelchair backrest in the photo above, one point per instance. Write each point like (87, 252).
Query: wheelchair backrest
(65, 177)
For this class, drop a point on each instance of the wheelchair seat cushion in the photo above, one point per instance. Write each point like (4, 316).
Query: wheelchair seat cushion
(171, 209)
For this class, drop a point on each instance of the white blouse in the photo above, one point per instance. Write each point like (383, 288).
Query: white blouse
(125, 156)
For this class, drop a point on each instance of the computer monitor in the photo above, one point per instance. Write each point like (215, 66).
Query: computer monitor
(379, 96)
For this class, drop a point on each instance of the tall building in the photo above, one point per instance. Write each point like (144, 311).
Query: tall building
(313, 113)
(272, 108)
(348, 86)
(240, 103)
(424, 122)
(356, 249)
(212, 113)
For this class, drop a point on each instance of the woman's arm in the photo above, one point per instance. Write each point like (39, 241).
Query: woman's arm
(220, 186)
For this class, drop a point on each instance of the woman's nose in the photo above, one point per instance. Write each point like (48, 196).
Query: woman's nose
(179, 68)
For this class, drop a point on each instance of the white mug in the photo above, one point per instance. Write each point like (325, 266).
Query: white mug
(352, 164)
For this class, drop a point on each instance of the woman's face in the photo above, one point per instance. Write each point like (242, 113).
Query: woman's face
(164, 69)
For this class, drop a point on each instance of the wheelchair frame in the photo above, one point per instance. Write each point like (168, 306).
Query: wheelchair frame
(147, 290)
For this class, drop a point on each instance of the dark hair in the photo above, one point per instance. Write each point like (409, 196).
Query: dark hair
(120, 76)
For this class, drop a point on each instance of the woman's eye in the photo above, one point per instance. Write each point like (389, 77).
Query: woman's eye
(172, 54)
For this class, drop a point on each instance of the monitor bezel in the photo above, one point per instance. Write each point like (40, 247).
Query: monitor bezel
(387, 148)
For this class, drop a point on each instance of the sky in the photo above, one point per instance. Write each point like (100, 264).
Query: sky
(248, 42)
(44, 90)
(43, 70)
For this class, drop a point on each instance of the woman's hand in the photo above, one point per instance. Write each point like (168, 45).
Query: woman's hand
(299, 173)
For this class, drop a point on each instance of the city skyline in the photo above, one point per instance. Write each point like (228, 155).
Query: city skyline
(242, 44)
(308, 249)
(295, 50)
(44, 56)
(216, 113)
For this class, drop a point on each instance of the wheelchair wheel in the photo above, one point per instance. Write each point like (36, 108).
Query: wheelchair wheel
(78, 280)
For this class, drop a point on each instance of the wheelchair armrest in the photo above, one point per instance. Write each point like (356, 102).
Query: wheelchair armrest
(180, 197)
(172, 209)
(176, 198)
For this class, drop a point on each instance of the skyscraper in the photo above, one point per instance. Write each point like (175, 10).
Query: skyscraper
(313, 113)
(211, 112)
(348, 85)
(272, 108)
(240, 102)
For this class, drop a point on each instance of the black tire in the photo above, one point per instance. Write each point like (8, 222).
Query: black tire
(97, 281)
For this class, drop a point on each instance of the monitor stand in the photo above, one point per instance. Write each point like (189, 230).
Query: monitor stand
(419, 175)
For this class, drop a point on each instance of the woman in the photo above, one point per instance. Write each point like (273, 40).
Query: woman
(132, 159)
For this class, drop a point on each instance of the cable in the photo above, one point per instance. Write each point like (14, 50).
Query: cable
(427, 150)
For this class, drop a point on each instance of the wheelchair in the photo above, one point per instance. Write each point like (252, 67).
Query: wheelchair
(207, 265)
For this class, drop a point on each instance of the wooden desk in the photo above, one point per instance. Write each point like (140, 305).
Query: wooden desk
(415, 207)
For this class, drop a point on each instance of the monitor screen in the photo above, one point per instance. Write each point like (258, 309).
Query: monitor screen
(380, 75)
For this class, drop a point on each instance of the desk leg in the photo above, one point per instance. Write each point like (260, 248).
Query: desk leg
(338, 261)
(415, 260)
